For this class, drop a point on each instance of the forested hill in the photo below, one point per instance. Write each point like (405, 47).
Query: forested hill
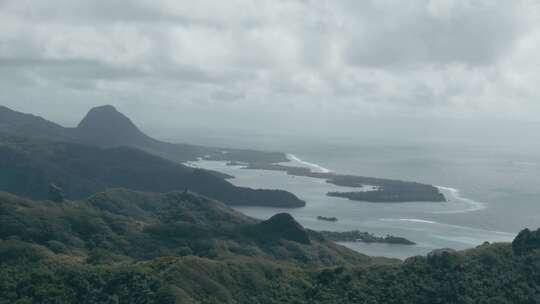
(142, 225)
(122, 246)
(29, 166)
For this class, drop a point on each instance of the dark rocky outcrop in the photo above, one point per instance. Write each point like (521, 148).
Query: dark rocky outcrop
(282, 226)
(526, 241)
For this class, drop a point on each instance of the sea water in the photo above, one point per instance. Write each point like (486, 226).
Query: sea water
(492, 194)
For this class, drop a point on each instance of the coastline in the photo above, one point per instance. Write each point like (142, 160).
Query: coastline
(385, 190)
(475, 205)
(444, 229)
(295, 159)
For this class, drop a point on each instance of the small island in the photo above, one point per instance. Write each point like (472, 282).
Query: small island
(328, 219)
(365, 237)
(415, 193)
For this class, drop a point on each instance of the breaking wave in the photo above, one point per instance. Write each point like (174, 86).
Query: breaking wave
(456, 194)
(316, 167)
(409, 220)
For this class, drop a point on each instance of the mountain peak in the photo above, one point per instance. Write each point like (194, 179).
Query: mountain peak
(104, 108)
(283, 226)
(106, 126)
(103, 112)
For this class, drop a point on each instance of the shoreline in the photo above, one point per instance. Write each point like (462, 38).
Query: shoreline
(293, 158)
(387, 190)
(445, 232)
(456, 193)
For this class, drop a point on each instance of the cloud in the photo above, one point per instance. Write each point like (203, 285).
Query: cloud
(272, 59)
(390, 33)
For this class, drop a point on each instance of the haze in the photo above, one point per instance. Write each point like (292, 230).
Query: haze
(445, 70)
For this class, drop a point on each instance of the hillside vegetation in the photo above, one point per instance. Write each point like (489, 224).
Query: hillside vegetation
(121, 246)
(29, 166)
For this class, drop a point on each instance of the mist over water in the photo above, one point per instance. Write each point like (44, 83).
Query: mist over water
(492, 194)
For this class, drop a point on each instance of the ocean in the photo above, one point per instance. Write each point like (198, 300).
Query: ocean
(492, 193)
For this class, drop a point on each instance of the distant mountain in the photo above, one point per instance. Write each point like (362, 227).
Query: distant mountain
(98, 154)
(105, 127)
(29, 166)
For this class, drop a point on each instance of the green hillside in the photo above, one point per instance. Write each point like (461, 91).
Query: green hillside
(122, 246)
(29, 166)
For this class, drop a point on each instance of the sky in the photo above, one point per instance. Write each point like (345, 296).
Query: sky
(389, 68)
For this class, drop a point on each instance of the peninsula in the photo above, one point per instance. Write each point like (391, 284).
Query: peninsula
(379, 190)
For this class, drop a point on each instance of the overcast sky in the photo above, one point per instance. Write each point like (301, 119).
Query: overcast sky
(301, 65)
